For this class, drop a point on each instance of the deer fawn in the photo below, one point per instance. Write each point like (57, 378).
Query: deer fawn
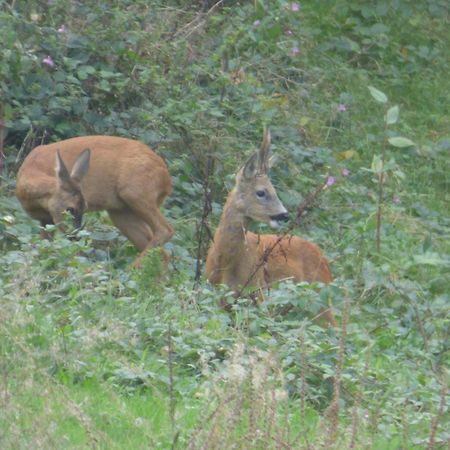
(236, 254)
(122, 176)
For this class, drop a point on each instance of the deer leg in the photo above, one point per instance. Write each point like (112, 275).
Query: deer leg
(162, 230)
(137, 231)
(145, 205)
(148, 211)
(133, 227)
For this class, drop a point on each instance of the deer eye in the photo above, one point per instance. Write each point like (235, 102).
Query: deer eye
(71, 211)
(260, 194)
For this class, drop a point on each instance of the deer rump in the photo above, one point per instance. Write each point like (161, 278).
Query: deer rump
(290, 257)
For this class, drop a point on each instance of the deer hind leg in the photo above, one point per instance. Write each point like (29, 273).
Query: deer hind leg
(133, 227)
(162, 232)
(137, 231)
(146, 206)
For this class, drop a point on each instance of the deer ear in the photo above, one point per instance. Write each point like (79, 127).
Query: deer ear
(81, 166)
(263, 160)
(251, 166)
(61, 171)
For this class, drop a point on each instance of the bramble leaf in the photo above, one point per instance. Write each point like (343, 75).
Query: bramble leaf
(401, 142)
(378, 95)
(392, 115)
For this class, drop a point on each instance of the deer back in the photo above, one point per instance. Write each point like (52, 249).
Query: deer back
(114, 163)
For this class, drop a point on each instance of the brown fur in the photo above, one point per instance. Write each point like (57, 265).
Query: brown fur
(125, 178)
(235, 253)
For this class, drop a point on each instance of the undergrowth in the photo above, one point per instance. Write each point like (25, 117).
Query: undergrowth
(94, 354)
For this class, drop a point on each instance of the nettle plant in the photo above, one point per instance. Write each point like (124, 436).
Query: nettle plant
(379, 165)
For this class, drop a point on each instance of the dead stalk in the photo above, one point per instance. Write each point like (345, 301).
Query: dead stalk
(437, 418)
(2, 139)
(331, 415)
(357, 404)
(203, 227)
(381, 186)
(172, 398)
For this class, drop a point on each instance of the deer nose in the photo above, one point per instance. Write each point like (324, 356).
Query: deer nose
(283, 217)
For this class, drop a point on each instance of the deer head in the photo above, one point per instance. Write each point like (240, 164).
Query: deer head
(67, 197)
(256, 197)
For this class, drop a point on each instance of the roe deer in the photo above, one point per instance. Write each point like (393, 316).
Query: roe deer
(236, 254)
(122, 176)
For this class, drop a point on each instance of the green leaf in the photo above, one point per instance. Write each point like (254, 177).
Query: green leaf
(431, 259)
(399, 141)
(392, 115)
(274, 32)
(85, 71)
(378, 95)
(377, 165)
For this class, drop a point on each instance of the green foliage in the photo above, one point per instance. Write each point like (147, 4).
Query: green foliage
(94, 353)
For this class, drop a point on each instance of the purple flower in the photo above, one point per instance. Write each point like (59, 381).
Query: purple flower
(257, 23)
(396, 200)
(342, 107)
(345, 172)
(330, 180)
(62, 29)
(295, 51)
(295, 7)
(48, 61)
(289, 32)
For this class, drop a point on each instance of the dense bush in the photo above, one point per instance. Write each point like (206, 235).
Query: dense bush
(93, 353)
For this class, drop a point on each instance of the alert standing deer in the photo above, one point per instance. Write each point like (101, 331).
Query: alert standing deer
(236, 255)
(122, 176)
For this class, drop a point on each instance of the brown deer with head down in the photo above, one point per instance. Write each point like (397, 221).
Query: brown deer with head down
(236, 256)
(91, 173)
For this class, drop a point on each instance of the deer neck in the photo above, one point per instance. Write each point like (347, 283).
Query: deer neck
(236, 254)
(232, 225)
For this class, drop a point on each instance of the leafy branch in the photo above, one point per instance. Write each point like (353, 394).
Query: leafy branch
(390, 117)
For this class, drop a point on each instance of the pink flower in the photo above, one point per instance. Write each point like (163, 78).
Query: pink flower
(257, 23)
(345, 172)
(396, 200)
(48, 61)
(289, 32)
(62, 29)
(295, 51)
(295, 7)
(342, 107)
(330, 180)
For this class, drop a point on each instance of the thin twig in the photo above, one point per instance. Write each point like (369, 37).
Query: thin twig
(2, 138)
(29, 137)
(198, 21)
(381, 185)
(331, 415)
(438, 415)
(358, 399)
(172, 398)
(203, 227)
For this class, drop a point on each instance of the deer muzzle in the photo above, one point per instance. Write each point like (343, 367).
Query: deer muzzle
(275, 220)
